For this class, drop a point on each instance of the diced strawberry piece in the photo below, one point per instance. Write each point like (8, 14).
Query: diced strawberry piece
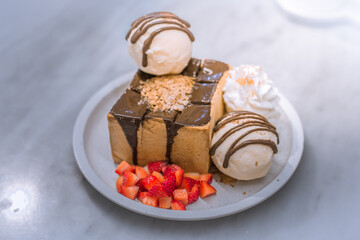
(130, 179)
(119, 182)
(181, 195)
(169, 184)
(129, 192)
(176, 205)
(192, 175)
(142, 195)
(206, 189)
(158, 175)
(206, 178)
(123, 168)
(193, 195)
(170, 169)
(156, 166)
(165, 202)
(157, 191)
(149, 182)
(178, 171)
(187, 183)
(151, 201)
(140, 172)
(141, 187)
(179, 177)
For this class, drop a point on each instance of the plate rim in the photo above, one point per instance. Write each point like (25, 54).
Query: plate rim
(189, 215)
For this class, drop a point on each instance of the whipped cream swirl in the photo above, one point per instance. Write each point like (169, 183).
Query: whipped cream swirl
(249, 88)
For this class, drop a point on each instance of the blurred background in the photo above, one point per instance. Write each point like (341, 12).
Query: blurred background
(54, 55)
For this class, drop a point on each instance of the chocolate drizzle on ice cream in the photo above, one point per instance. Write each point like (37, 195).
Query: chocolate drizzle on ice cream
(249, 121)
(143, 24)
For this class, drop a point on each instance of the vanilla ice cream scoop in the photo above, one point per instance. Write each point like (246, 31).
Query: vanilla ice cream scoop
(243, 145)
(160, 43)
(249, 88)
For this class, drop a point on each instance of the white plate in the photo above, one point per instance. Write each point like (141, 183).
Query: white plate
(92, 152)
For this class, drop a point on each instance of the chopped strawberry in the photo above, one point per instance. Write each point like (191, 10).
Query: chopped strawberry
(149, 182)
(129, 179)
(165, 202)
(178, 171)
(157, 191)
(141, 187)
(119, 182)
(187, 183)
(170, 169)
(123, 168)
(140, 172)
(156, 166)
(206, 189)
(176, 205)
(179, 177)
(142, 195)
(129, 192)
(206, 178)
(193, 195)
(169, 184)
(158, 175)
(151, 201)
(181, 195)
(192, 175)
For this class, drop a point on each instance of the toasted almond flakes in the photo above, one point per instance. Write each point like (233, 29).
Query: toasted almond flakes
(167, 93)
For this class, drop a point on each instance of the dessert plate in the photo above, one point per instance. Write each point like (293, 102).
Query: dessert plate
(93, 155)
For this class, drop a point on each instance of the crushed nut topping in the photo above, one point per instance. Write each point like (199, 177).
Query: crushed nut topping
(167, 93)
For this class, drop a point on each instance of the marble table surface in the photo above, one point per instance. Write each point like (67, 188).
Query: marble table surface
(54, 55)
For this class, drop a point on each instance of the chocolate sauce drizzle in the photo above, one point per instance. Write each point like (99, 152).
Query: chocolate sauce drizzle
(155, 15)
(168, 118)
(238, 115)
(129, 115)
(256, 120)
(151, 19)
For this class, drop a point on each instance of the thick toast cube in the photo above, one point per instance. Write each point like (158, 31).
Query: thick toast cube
(140, 136)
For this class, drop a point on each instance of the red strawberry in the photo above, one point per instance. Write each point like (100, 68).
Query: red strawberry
(206, 178)
(179, 177)
(192, 175)
(141, 187)
(151, 201)
(149, 182)
(187, 183)
(119, 182)
(140, 172)
(129, 192)
(165, 202)
(181, 195)
(193, 195)
(123, 168)
(178, 171)
(156, 166)
(158, 175)
(157, 191)
(169, 184)
(176, 205)
(142, 195)
(129, 179)
(206, 189)
(170, 169)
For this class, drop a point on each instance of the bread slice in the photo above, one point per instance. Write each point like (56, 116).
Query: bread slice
(140, 136)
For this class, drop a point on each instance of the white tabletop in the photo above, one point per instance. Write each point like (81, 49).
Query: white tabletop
(54, 55)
